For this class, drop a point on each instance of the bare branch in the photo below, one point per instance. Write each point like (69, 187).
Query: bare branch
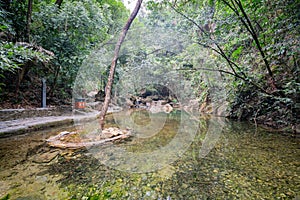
(219, 51)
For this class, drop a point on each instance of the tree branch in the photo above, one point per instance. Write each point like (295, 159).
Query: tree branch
(189, 19)
(255, 37)
(219, 51)
(232, 74)
(248, 25)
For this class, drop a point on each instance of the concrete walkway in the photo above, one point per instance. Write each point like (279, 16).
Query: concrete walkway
(19, 121)
(19, 126)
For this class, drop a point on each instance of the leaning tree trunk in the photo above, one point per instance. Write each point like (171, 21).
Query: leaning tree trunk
(114, 62)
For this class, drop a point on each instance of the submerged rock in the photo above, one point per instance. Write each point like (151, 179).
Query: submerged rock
(112, 132)
(45, 157)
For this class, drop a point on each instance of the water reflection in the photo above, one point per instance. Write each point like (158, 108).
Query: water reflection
(155, 144)
(215, 128)
(232, 162)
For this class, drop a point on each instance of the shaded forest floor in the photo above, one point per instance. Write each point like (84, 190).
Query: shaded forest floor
(29, 96)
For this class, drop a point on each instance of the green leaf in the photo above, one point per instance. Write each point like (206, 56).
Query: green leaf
(237, 52)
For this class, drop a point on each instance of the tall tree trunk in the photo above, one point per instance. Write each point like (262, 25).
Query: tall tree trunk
(28, 17)
(114, 62)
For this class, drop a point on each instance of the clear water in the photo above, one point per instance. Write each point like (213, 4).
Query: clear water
(242, 162)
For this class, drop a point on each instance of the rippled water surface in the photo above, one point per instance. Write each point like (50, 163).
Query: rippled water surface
(220, 160)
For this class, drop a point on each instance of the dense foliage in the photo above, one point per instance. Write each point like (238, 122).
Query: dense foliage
(240, 53)
(252, 44)
(60, 38)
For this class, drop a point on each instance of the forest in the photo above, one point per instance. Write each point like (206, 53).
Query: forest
(251, 47)
(153, 99)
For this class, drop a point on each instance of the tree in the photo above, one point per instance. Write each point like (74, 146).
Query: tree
(116, 12)
(114, 62)
(17, 57)
(70, 31)
(237, 7)
(255, 42)
(233, 30)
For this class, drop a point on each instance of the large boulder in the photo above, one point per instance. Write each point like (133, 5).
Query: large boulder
(157, 106)
(131, 101)
(167, 108)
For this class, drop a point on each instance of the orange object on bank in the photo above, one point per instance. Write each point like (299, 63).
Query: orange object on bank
(80, 103)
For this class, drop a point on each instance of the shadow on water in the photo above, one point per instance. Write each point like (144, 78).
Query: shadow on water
(239, 163)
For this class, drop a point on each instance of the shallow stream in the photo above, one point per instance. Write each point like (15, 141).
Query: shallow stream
(184, 158)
